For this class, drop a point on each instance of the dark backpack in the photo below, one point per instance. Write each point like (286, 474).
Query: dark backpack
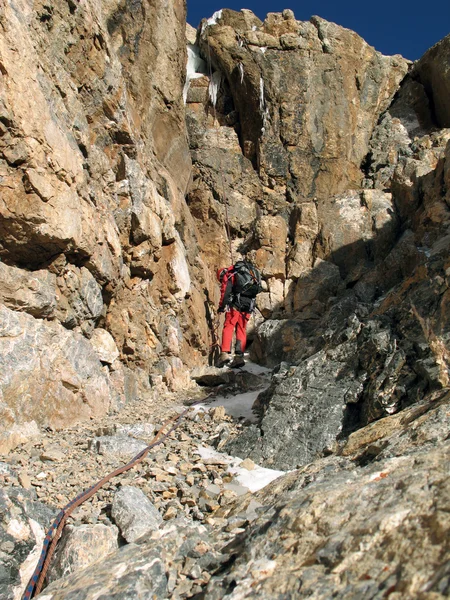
(247, 280)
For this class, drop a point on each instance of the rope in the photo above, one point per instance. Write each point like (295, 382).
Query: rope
(216, 127)
(36, 582)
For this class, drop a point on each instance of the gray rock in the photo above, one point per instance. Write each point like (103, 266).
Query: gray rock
(81, 299)
(33, 292)
(307, 408)
(134, 514)
(117, 446)
(341, 514)
(132, 572)
(50, 375)
(140, 431)
(23, 525)
(79, 547)
(211, 376)
(213, 490)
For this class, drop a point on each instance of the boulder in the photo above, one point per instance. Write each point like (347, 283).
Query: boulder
(34, 292)
(105, 346)
(80, 547)
(134, 514)
(48, 375)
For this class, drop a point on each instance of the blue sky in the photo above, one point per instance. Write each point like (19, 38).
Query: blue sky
(406, 27)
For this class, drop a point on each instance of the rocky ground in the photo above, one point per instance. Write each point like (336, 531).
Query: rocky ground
(367, 520)
(175, 483)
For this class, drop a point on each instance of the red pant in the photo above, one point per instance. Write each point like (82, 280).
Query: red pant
(235, 320)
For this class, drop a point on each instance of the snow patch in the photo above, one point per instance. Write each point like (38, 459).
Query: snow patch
(262, 106)
(263, 49)
(257, 479)
(261, 94)
(211, 21)
(239, 407)
(254, 480)
(255, 369)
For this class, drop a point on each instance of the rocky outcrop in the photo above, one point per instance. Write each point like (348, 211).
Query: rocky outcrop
(374, 524)
(82, 546)
(378, 348)
(24, 521)
(280, 125)
(432, 72)
(308, 97)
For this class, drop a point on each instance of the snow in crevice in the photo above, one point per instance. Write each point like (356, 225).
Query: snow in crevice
(254, 480)
(195, 67)
(241, 71)
(261, 94)
(211, 21)
(262, 106)
(214, 86)
(240, 406)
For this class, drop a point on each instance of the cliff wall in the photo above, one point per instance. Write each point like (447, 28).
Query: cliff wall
(100, 270)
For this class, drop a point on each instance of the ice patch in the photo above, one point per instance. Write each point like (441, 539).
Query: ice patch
(262, 106)
(241, 71)
(257, 479)
(195, 67)
(255, 369)
(261, 94)
(214, 86)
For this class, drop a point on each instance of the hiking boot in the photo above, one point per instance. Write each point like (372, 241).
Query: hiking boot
(223, 359)
(238, 361)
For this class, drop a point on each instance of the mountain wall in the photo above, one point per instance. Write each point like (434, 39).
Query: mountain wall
(135, 159)
(299, 146)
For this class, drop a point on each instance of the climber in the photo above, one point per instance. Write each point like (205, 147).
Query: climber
(239, 286)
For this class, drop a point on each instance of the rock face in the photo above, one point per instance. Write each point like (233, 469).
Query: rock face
(94, 164)
(280, 144)
(308, 97)
(80, 547)
(332, 156)
(352, 528)
(310, 153)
